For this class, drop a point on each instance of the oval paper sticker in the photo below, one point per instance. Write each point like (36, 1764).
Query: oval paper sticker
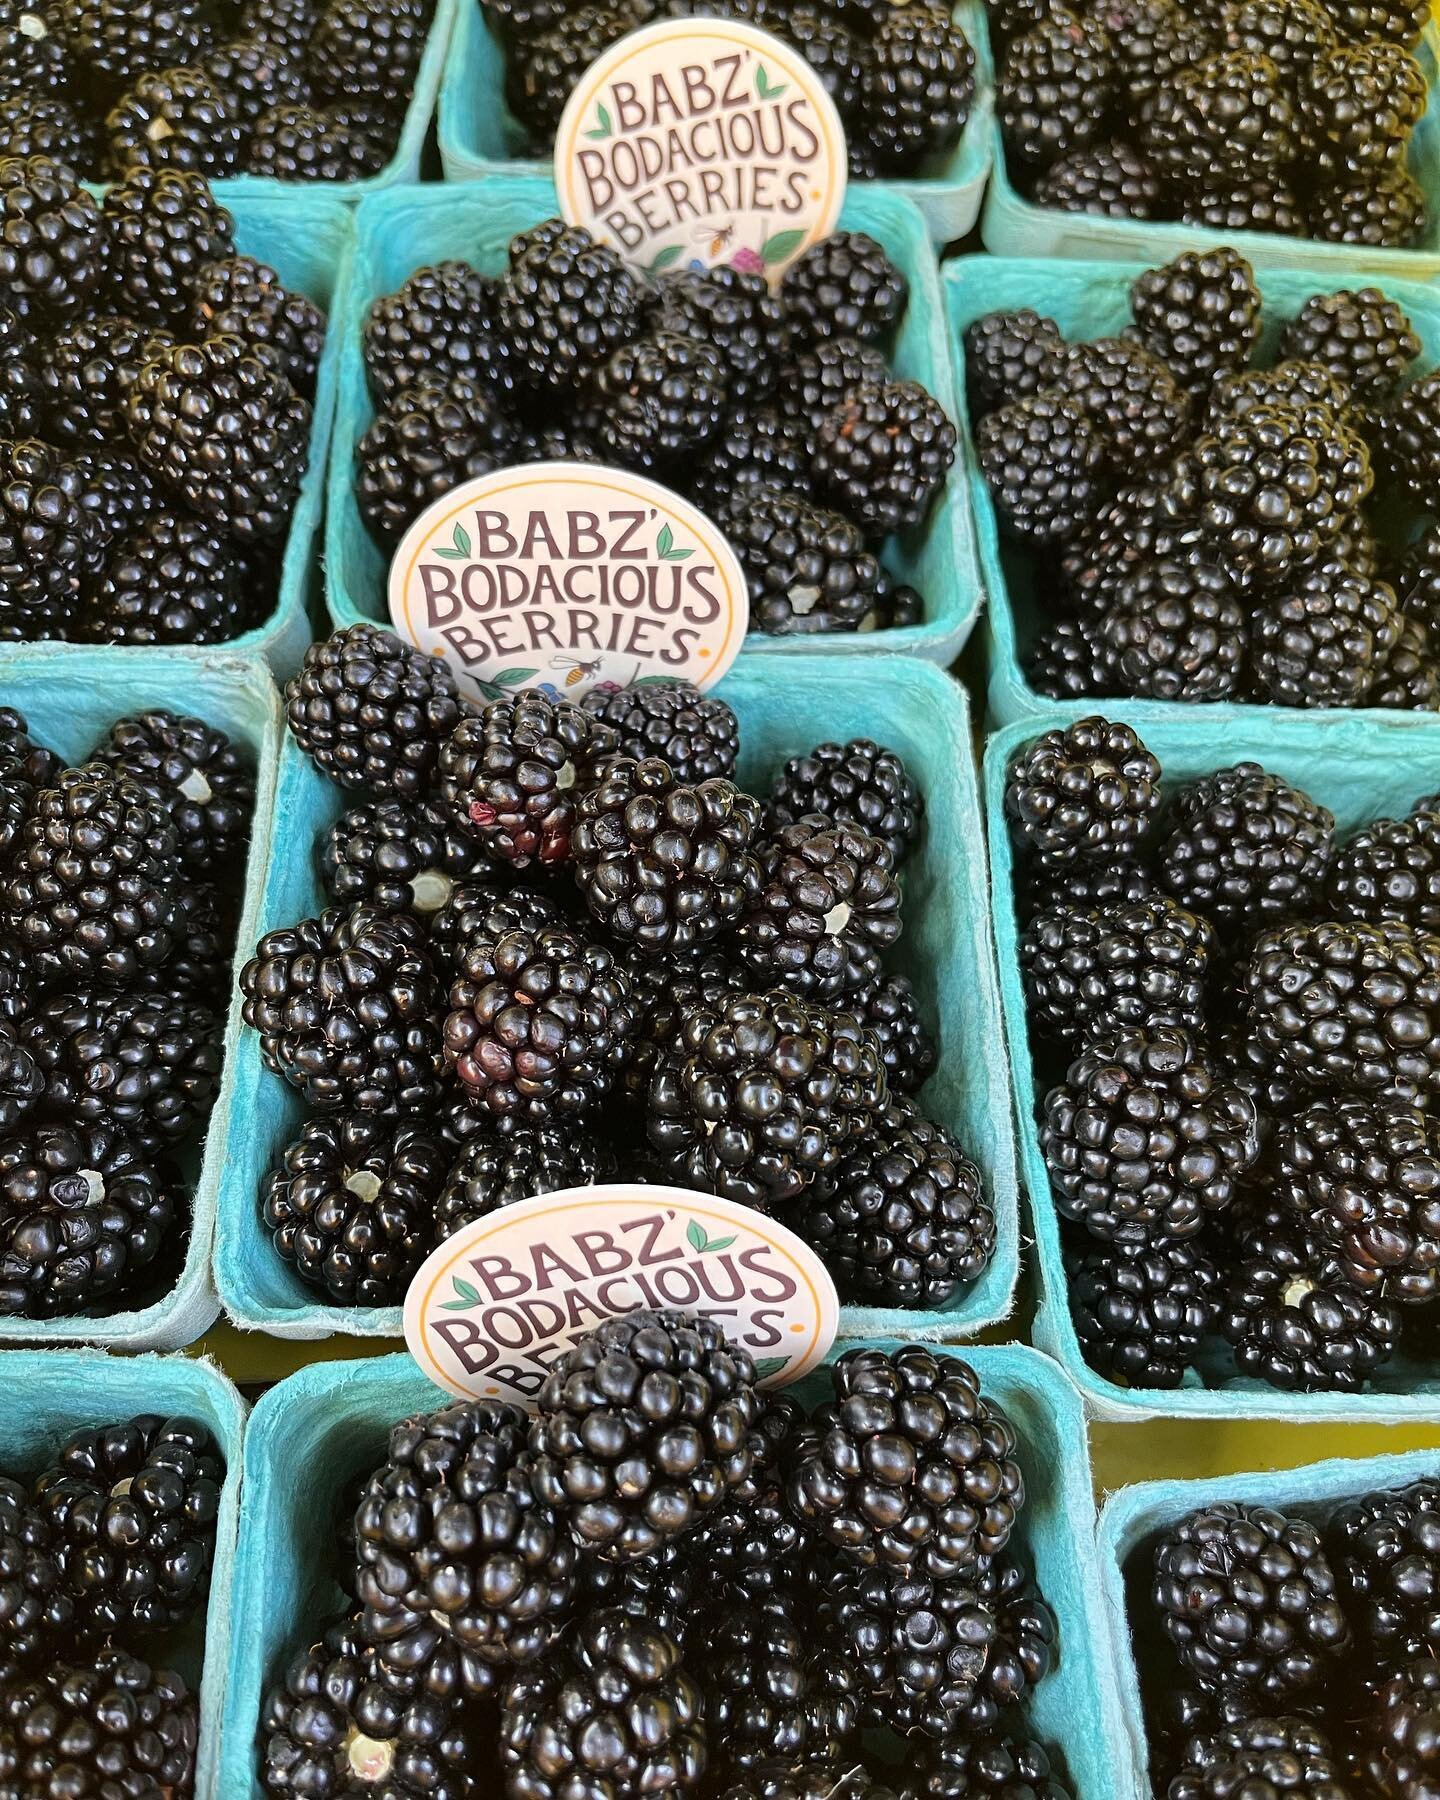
(702, 141)
(494, 1306)
(567, 576)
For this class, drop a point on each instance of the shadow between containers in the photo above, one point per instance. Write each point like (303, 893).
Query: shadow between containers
(945, 949)
(1361, 769)
(70, 701)
(402, 231)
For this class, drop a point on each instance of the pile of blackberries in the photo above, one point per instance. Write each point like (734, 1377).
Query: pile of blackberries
(1285, 116)
(667, 1582)
(302, 90)
(1235, 1020)
(1197, 528)
(1294, 1653)
(776, 413)
(119, 894)
(562, 946)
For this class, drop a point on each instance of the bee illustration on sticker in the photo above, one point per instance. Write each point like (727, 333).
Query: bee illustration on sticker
(577, 669)
(718, 237)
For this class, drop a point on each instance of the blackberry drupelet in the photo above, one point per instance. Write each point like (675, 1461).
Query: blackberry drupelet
(436, 326)
(1091, 790)
(164, 226)
(910, 1466)
(53, 251)
(859, 784)
(367, 47)
(1178, 631)
(373, 712)
(1010, 356)
(347, 1008)
(1130, 398)
(1141, 1310)
(1286, 1755)
(1199, 313)
(428, 439)
(890, 1010)
(1055, 88)
(697, 734)
(173, 118)
(203, 779)
(351, 1204)
(400, 856)
(1359, 335)
(1400, 1754)
(1109, 178)
(845, 286)
(565, 305)
(1230, 115)
(917, 87)
(1359, 105)
(736, 313)
(107, 1718)
(492, 1172)
(1260, 203)
(1043, 462)
(642, 1428)
(658, 400)
(764, 1691)
(1144, 1138)
(807, 568)
(883, 455)
(171, 578)
(1384, 211)
(1390, 870)
(237, 296)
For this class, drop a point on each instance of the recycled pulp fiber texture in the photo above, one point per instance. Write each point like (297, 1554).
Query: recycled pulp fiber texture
(1361, 769)
(70, 698)
(401, 232)
(314, 1435)
(47, 1395)
(1089, 300)
(1134, 1516)
(480, 136)
(1014, 226)
(945, 949)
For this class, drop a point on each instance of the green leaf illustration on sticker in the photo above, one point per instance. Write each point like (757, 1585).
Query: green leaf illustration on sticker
(766, 1366)
(695, 1232)
(670, 254)
(514, 677)
(665, 547)
(605, 128)
(653, 681)
(468, 1296)
(784, 243)
(764, 88)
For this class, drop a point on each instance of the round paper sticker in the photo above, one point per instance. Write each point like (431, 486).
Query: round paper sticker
(697, 142)
(494, 1306)
(569, 576)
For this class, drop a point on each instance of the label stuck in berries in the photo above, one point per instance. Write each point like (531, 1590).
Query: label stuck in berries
(494, 1306)
(566, 577)
(698, 143)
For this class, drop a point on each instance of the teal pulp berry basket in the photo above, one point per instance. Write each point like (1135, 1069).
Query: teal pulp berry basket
(480, 136)
(315, 1435)
(47, 1395)
(1134, 1517)
(403, 231)
(1011, 225)
(1087, 300)
(945, 949)
(69, 702)
(1361, 770)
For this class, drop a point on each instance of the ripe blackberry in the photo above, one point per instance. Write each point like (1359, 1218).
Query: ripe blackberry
(1348, 1007)
(1408, 446)
(119, 43)
(1010, 356)
(826, 907)
(25, 768)
(400, 856)
(429, 438)
(373, 712)
(1386, 211)
(36, 126)
(173, 118)
(1257, 203)
(253, 75)
(351, 1204)
(1390, 870)
(1070, 660)
(1152, 41)
(1293, 383)
(484, 909)
(513, 775)
(1386, 1551)
(1287, 1755)
(883, 455)
(543, 69)
(890, 1010)
(843, 287)
(346, 1006)
(665, 987)
(44, 540)
(989, 1763)
(22, 1085)
(1324, 637)
(52, 239)
(367, 47)
(106, 1718)
(164, 226)
(917, 88)
(565, 305)
(658, 400)
(751, 1548)
(88, 369)
(492, 1172)
(1109, 178)
(1090, 790)
(1247, 1599)
(37, 1616)
(239, 297)
(1055, 88)
(539, 1024)
(1144, 1137)
(1292, 33)
(763, 448)
(1199, 313)
(613, 1707)
(642, 1428)
(697, 734)
(807, 569)
(910, 1466)
(18, 988)
(116, 496)
(1178, 631)
(1360, 104)
(1042, 461)
(763, 1094)
(1400, 1754)
(1129, 396)
(133, 1509)
(1409, 679)
(738, 315)
(1361, 336)
(904, 1221)
(1231, 114)
(204, 780)
(32, 52)
(1136, 524)
(858, 784)
(22, 403)
(298, 142)
(287, 24)
(764, 1689)
(1084, 886)
(173, 579)
(1141, 1310)
(453, 1541)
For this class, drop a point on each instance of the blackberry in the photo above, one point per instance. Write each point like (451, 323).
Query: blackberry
(1010, 356)
(815, 379)
(1386, 1551)
(665, 987)
(453, 1541)
(1071, 660)
(807, 569)
(118, 43)
(751, 1548)
(52, 237)
(373, 127)
(25, 768)
(1322, 639)
(116, 496)
(910, 1466)
(612, 1708)
(697, 734)
(372, 712)
(346, 1007)
(1255, 203)
(1091, 974)
(1409, 442)
(1409, 678)
(1199, 313)
(199, 966)
(18, 990)
(367, 47)
(904, 1221)
(890, 1010)
(752, 450)
(542, 71)
(1247, 1598)
(857, 784)
(1109, 178)
(994, 1763)
(658, 400)
(513, 776)
(1293, 383)
(1365, 339)
(1141, 1310)
(172, 579)
(1292, 33)
(1400, 1757)
(492, 1172)
(883, 455)
(764, 1692)
(35, 126)
(917, 88)
(89, 368)
(1231, 114)
(539, 1024)
(642, 1428)
(1136, 524)
(1177, 631)
(295, 141)
(205, 782)
(22, 1085)
(1390, 870)
(253, 75)
(1244, 847)
(236, 296)
(1386, 211)
(1084, 886)
(37, 1616)
(351, 1204)
(164, 226)
(1091, 790)
(173, 118)
(1130, 398)
(843, 287)
(1055, 87)
(1348, 1007)
(429, 438)
(32, 52)
(762, 1094)
(21, 380)
(1144, 1137)
(1360, 104)
(1152, 41)
(1289, 1755)
(107, 1718)
(1042, 460)
(565, 305)
(133, 1509)
(483, 909)
(286, 24)
(738, 315)
(398, 855)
